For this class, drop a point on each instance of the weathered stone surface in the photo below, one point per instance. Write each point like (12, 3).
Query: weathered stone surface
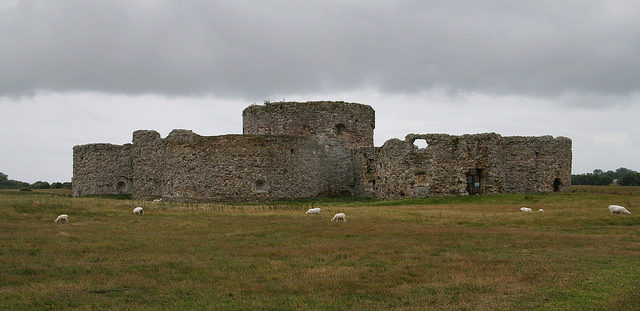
(242, 168)
(148, 164)
(462, 165)
(350, 122)
(102, 169)
(299, 150)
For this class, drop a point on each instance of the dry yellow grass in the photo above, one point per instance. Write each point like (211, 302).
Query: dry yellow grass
(473, 253)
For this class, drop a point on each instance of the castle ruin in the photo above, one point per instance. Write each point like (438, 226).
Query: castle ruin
(291, 150)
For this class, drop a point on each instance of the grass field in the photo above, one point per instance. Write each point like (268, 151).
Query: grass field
(444, 253)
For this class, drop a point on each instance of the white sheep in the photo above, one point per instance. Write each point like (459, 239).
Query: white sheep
(540, 210)
(339, 216)
(157, 200)
(525, 209)
(62, 218)
(315, 210)
(617, 209)
(138, 211)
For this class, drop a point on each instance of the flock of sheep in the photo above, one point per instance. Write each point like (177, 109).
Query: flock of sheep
(615, 209)
(337, 217)
(65, 218)
(140, 211)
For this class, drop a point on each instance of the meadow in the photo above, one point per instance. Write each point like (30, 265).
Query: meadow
(442, 253)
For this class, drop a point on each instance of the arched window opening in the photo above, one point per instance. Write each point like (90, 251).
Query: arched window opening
(121, 186)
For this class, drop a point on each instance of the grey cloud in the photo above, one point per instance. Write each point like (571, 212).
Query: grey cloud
(257, 50)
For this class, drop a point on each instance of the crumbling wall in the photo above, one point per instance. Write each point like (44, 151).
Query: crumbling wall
(242, 167)
(148, 164)
(299, 150)
(102, 169)
(365, 172)
(350, 122)
(403, 169)
(462, 165)
(537, 164)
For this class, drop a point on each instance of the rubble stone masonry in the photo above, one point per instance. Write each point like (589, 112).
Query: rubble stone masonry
(299, 150)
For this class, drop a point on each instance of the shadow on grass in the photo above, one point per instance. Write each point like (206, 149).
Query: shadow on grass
(435, 200)
(109, 196)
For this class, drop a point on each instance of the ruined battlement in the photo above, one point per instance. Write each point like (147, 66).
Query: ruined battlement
(466, 164)
(299, 150)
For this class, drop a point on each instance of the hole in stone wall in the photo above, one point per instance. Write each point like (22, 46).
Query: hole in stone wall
(556, 184)
(340, 129)
(121, 186)
(372, 184)
(261, 185)
(420, 143)
(291, 150)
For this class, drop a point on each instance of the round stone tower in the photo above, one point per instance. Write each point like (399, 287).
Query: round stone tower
(350, 122)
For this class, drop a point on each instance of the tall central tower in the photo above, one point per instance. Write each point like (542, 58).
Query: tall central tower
(350, 122)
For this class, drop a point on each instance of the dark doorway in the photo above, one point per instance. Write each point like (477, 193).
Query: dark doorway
(121, 186)
(340, 129)
(556, 185)
(475, 184)
(372, 184)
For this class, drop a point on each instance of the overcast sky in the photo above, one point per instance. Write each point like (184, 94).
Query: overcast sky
(78, 72)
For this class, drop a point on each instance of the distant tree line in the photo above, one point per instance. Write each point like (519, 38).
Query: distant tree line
(6, 183)
(622, 176)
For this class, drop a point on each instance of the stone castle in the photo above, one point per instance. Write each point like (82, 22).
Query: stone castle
(292, 150)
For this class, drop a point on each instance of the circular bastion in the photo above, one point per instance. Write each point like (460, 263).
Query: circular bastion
(350, 122)
(241, 167)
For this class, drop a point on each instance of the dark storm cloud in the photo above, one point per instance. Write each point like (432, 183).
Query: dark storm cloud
(256, 49)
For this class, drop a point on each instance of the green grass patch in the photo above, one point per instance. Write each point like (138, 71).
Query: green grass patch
(442, 253)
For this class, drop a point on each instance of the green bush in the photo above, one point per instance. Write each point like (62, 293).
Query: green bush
(602, 178)
(630, 179)
(40, 185)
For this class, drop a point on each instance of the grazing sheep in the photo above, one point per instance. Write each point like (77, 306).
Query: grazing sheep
(339, 216)
(617, 209)
(138, 211)
(315, 210)
(525, 209)
(62, 218)
(540, 210)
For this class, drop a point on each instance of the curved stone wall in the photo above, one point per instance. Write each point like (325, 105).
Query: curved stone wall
(350, 122)
(148, 164)
(242, 167)
(301, 150)
(102, 169)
